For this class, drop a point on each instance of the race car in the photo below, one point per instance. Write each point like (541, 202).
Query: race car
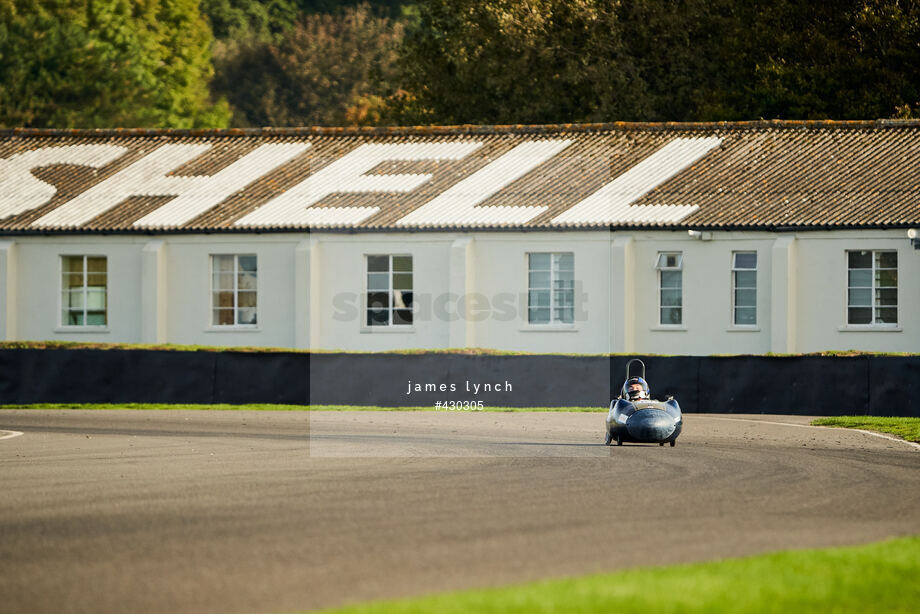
(634, 417)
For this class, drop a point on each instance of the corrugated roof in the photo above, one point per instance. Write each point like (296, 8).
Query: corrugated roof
(719, 175)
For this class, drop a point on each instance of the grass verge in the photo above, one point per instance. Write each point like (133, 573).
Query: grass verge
(279, 407)
(905, 428)
(469, 351)
(875, 578)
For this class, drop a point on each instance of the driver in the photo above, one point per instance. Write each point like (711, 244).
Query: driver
(636, 389)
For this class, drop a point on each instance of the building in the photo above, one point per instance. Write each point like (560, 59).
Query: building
(650, 238)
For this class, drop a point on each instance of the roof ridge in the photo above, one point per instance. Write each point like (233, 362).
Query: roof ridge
(471, 128)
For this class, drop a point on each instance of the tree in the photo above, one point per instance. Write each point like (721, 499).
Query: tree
(313, 75)
(105, 63)
(686, 53)
(846, 59)
(518, 61)
(525, 61)
(259, 19)
(269, 20)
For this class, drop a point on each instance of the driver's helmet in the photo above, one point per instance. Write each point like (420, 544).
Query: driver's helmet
(635, 389)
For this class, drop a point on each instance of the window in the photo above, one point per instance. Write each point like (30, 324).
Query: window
(551, 288)
(389, 290)
(670, 288)
(234, 290)
(872, 287)
(744, 288)
(83, 291)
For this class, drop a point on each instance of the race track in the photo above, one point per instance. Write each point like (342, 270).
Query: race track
(171, 511)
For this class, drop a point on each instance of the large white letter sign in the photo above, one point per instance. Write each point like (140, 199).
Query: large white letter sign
(148, 177)
(457, 205)
(611, 204)
(21, 191)
(347, 175)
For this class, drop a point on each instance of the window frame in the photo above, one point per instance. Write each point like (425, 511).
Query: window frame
(212, 290)
(663, 267)
(64, 326)
(873, 324)
(391, 325)
(734, 286)
(554, 310)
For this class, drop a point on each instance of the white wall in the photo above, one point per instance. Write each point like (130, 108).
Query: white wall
(707, 294)
(822, 287)
(501, 269)
(188, 289)
(489, 268)
(8, 287)
(494, 298)
(38, 291)
(342, 323)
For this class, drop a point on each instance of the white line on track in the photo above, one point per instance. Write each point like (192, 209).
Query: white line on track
(882, 435)
(9, 434)
(812, 426)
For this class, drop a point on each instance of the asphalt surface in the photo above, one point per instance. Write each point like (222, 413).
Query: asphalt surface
(169, 511)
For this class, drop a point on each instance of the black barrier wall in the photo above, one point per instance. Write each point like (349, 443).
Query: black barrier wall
(150, 376)
(424, 379)
(807, 385)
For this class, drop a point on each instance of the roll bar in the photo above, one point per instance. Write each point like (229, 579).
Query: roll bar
(630, 364)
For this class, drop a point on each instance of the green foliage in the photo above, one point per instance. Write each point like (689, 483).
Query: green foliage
(534, 61)
(105, 63)
(389, 8)
(147, 63)
(269, 20)
(259, 19)
(512, 61)
(313, 75)
(846, 59)
(685, 53)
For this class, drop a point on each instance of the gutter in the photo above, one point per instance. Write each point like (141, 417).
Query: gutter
(773, 228)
